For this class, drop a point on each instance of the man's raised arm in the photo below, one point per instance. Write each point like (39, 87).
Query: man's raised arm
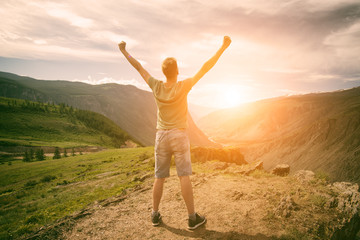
(144, 74)
(211, 62)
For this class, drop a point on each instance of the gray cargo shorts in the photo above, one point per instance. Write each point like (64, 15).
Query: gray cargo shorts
(172, 142)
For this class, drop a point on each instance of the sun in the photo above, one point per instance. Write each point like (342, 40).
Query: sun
(230, 96)
(222, 95)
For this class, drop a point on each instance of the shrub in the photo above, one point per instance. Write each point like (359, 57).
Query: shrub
(48, 178)
(65, 182)
(34, 219)
(31, 183)
(318, 200)
(322, 176)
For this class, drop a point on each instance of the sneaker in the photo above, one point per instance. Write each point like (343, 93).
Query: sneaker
(193, 224)
(156, 218)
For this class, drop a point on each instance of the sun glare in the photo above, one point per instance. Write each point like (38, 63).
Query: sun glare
(230, 96)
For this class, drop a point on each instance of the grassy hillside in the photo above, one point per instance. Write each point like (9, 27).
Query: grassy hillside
(320, 132)
(132, 109)
(38, 193)
(303, 206)
(27, 123)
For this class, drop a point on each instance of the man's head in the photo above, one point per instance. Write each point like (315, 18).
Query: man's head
(170, 68)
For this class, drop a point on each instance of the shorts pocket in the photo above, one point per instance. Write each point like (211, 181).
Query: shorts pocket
(159, 137)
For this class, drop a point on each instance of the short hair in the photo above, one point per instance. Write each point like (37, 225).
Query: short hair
(169, 67)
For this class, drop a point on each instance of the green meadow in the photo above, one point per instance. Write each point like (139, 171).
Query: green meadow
(33, 194)
(26, 123)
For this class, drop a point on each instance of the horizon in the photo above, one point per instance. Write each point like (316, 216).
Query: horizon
(191, 103)
(278, 48)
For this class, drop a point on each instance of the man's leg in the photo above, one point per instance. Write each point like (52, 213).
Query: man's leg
(187, 193)
(157, 192)
(195, 220)
(180, 144)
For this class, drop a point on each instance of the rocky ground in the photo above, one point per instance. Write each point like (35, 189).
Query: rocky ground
(238, 203)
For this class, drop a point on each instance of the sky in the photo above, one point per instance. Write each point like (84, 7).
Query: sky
(278, 47)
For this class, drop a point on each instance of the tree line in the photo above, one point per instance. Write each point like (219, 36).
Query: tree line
(39, 155)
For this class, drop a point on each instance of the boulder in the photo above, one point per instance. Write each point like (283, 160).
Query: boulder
(281, 170)
(347, 202)
(304, 176)
(259, 165)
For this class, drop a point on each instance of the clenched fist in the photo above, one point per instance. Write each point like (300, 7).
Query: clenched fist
(122, 45)
(226, 41)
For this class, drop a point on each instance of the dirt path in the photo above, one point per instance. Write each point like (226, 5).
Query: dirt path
(235, 207)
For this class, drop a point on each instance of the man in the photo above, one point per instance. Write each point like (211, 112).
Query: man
(171, 135)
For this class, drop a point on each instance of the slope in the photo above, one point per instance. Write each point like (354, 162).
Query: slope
(134, 110)
(320, 132)
(26, 123)
(34, 194)
(260, 206)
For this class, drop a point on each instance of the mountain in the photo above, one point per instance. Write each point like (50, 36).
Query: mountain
(134, 110)
(319, 132)
(26, 123)
(197, 112)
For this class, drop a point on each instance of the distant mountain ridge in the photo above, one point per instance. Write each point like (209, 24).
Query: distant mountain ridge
(134, 110)
(319, 132)
(27, 123)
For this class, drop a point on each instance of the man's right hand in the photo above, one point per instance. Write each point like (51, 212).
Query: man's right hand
(226, 41)
(122, 46)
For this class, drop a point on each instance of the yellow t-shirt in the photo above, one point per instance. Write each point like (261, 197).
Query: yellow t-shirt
(171, 103)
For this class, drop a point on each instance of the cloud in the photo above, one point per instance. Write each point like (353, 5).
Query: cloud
(345, 44)
(275, 42)
(62, 12)
(62, 30)
(107, 80)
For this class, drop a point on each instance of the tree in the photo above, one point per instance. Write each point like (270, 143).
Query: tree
(57, 153)
(26, 157)
(65, 153)
(40, 156)
(32, 154)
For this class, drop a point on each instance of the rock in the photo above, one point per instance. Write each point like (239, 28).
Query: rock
(304, 176)
(348, 197)
(145, 176)
(142, 178)
(129, 144)
(245, 169)
(347, 202)
(281, 170)
(259, 165)
(217, 165)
